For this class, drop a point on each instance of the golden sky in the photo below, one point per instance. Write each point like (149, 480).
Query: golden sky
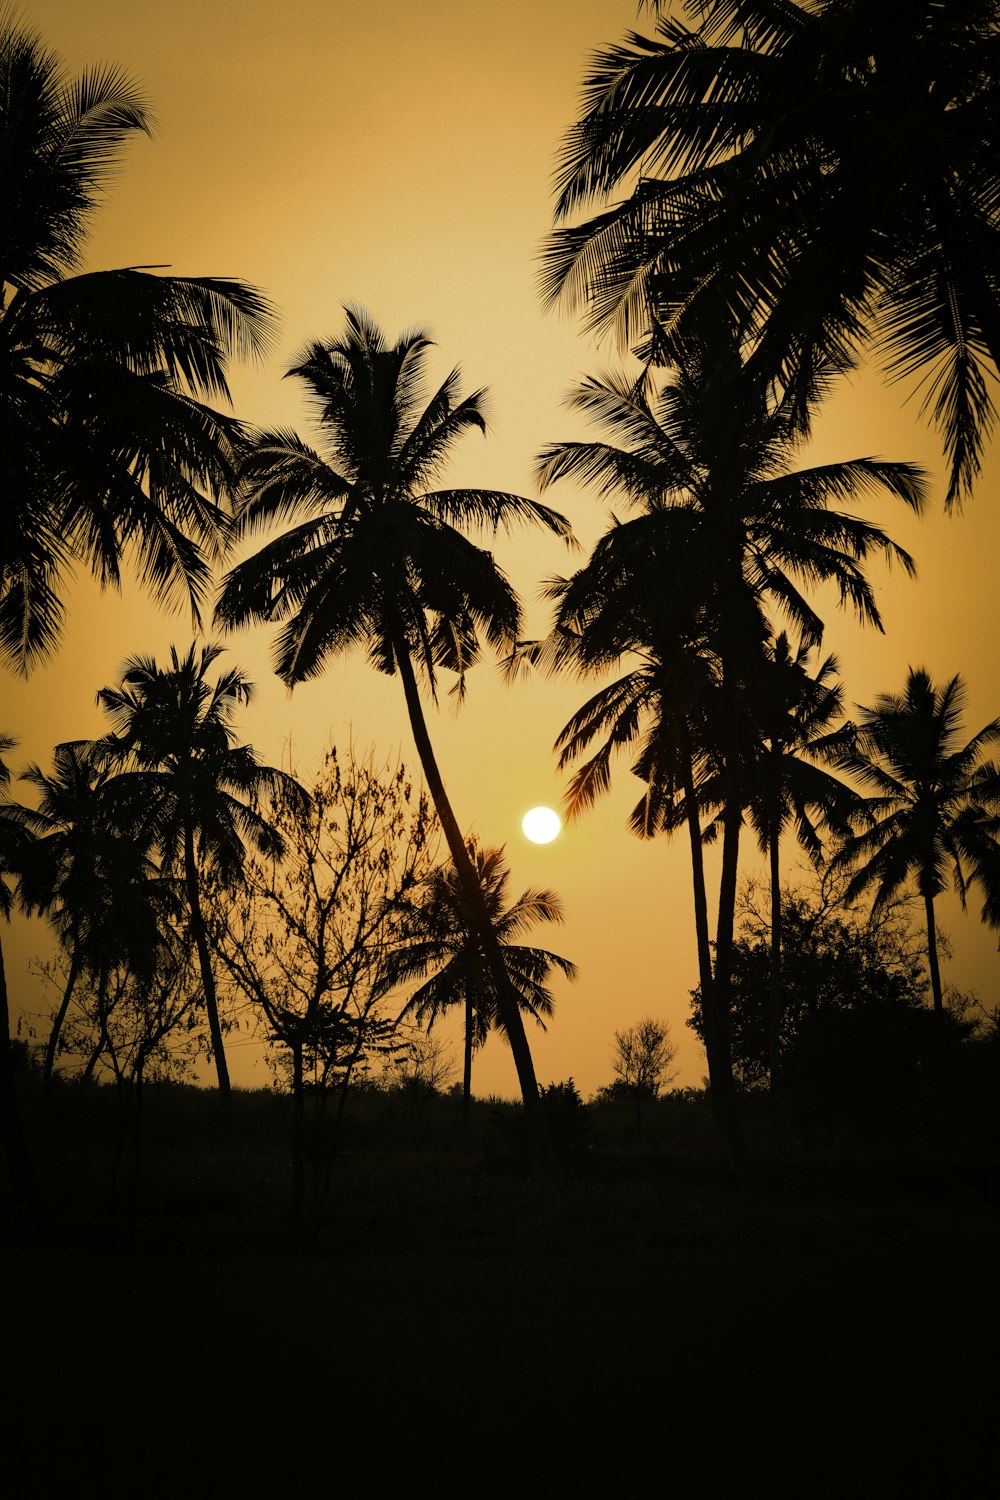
(400, 156)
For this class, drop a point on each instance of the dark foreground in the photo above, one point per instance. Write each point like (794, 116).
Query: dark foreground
(822, 1326)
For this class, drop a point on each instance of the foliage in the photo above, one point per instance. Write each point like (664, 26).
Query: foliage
(111, 450)
(825, 175)
(306, 939)
(132, 1028)
(835, 961)
(643, 1056)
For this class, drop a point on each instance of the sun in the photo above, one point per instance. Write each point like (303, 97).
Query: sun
(541, 825)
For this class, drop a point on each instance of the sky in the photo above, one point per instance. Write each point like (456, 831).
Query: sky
(401, 157)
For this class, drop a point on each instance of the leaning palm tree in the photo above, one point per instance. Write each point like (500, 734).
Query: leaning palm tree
(374, 559)
(933, 804)
(826, 172)
(113, 448)
(442, 948)
(196, 795)
(724, 530)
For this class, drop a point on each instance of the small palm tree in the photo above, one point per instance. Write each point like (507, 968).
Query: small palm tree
(197, 795)
(111, 448)
(442, 943)
(933, 803)
(97, 883)
(375, 560)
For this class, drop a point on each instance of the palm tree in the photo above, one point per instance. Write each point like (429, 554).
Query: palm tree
(111, 449)
(827, 173)
(17, 829)
(375, 559)
(96, 882)
(194, 792)
(788, 783)
(724, 530)
(443, 944)
(934, 803)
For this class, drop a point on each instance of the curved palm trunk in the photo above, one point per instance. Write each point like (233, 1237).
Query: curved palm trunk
(15, 1149)
(775, 1015)
(542, 1155)
(52, 1044)
(205, 963)
(932, 962)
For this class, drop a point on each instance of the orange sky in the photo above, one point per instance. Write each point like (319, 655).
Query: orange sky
(400, 156)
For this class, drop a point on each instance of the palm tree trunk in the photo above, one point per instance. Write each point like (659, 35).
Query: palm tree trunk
(700, 906)
(775, 1007)
(57, 1025)
(724, 1089)
(932, 962)
(542, 1155)
(205, 964)
(15, 1149)
(467, 1075)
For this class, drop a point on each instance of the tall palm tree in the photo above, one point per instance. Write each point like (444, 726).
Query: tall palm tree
(197, 796)
(111, 448)
(18, 826)
(442, 944)
(932, 800)
(789, 783)
(375, 559)
(826, 172)
(724, 531)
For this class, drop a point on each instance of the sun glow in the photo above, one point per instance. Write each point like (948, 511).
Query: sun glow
(541, 825)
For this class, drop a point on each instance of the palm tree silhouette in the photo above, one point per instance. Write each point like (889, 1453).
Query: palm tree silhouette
(442, 943)
(95, 881)
(827, 173)
(724, 530)
(931, 803)
(18, 826)
(788, 783)
(375, 560)
(110, 446)
(198, 796)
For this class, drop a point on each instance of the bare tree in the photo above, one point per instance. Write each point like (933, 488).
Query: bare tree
(305, 941)
(642, 1059)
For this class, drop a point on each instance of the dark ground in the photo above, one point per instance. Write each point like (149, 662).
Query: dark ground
(823, 1327)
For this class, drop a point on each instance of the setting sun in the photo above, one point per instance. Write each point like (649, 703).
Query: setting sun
(541, 825)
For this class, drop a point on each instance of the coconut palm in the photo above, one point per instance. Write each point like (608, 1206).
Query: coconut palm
(827, 173)
(789, 783)
(724, 531)
(443, 945)
(18, 826)
(197, 796)
(933, 805)
(96, 882)
(374, 558)
(111, 448)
